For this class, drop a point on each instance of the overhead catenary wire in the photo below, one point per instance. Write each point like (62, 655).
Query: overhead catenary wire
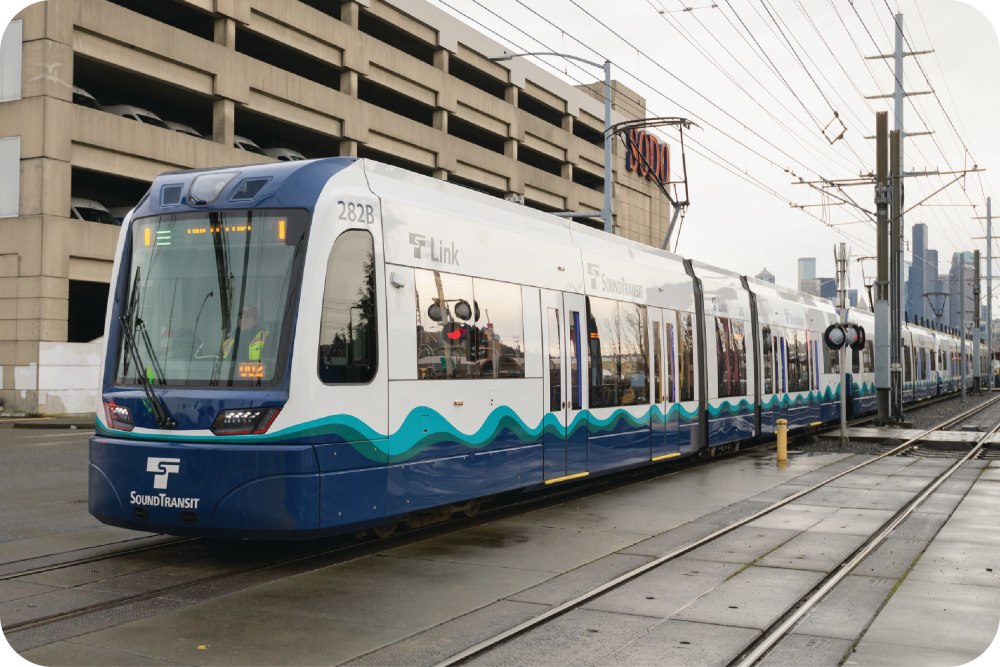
(735, 169)
(756, 153)
(959, 226)
(690, 39)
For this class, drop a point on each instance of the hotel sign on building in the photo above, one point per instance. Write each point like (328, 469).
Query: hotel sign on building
(647, 156)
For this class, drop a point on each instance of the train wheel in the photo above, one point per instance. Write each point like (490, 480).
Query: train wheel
(470, 509)
(385, 530)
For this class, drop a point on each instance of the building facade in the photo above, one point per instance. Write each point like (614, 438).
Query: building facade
(393, 80)
(916, 284)
(961, 311)
(807, 276)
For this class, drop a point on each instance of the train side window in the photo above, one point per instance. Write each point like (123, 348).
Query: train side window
(602, 323)
(869, 357)
(685, 356)
(732, 357)
(555, 362)
(768, 359)
(907, 365)
(793, 362)
(778, 343)
(618, 353)
(814, 366)
(671, 391)
(657, 365)
(740, 354)
(499, 325)
(933, 355)
(723, 353)
(446, 332)
(348, 334)
(575, 361)
(635, 353)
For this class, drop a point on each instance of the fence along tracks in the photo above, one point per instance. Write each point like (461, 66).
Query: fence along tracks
(773, 634)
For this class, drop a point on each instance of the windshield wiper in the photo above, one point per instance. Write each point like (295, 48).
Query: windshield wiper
(225, 278)
(160, 414)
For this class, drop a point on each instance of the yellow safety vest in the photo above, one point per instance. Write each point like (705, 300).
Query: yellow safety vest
(254, 349)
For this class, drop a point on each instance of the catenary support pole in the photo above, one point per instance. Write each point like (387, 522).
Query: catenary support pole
(842, 298)
(883, 383)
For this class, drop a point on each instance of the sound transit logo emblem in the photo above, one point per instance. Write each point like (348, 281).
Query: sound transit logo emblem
(164, 468)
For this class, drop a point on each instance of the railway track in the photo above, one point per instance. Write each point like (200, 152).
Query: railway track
(230, 566)
(759, 648)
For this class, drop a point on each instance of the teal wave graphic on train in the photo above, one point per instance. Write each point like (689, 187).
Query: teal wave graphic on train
(424, 427)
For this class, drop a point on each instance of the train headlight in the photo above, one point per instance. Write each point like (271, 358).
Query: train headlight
(244, 421)
(119, 416)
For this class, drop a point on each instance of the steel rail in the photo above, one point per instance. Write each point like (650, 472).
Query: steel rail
(569, 605)
(91, 559)
(763, 645)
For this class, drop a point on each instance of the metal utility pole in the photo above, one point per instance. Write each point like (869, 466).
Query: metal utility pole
(991, 376)
(976, 365)
(606, 213)
(842, 299)
(961, 327)
(895, 268)
(989, 286)
(883, 384)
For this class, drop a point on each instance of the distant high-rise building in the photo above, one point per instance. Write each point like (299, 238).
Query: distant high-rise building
(807, 275)
(827, 288)
(916, 284)
(852, 298)
(960, 312)
(766, 276)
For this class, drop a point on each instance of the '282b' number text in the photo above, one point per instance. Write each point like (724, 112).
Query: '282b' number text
(355, 212)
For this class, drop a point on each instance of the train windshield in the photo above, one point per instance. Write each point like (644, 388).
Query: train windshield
(211, 298)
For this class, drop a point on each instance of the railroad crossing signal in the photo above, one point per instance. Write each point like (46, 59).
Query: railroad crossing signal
(838, 336)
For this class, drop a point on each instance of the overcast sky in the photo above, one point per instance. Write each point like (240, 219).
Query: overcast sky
(763, 80)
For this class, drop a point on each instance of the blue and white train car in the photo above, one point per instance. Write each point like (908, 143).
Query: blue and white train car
(863, 396)
(796, 383)
(313, 347)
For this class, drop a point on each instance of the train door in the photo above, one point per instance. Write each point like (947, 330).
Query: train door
(564, 433)
(665, 416)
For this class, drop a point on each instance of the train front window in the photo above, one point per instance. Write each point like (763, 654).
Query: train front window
(210, 298)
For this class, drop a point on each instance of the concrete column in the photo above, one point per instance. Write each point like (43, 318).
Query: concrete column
(225, 32)
(350, 13)
(349, 83)
(441, 120)
(510, 148)
(441, 59)
(223, 121)
(348, 148)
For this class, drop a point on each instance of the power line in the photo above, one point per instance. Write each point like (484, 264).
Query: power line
(676, 25)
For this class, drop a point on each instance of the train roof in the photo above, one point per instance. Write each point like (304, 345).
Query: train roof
(276, 185)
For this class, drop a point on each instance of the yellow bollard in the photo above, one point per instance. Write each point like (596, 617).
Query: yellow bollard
(781, 431)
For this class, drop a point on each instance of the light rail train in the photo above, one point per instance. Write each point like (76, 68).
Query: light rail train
(315, 347)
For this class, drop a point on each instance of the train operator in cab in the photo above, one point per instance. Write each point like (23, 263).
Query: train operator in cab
(252, 336)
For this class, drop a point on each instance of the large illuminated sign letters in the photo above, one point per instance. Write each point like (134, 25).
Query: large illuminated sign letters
(647, 156)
